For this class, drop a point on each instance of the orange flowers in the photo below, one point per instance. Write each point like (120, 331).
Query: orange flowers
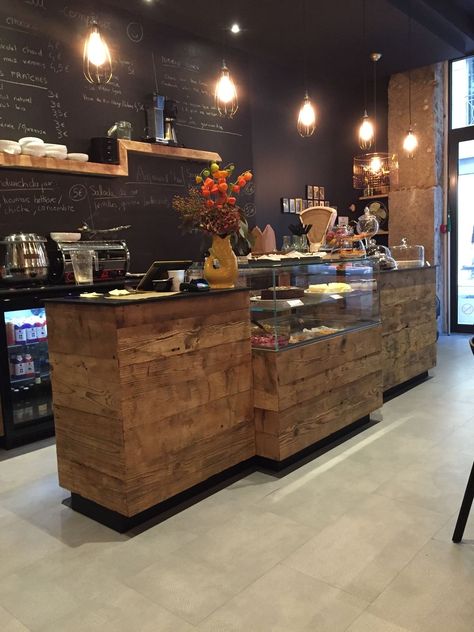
(216, 188)
(212, 206)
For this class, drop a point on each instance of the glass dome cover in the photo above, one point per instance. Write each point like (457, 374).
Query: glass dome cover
(408, 256)
(367, 224)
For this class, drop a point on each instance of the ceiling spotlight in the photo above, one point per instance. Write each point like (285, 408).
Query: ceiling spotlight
(235, 28)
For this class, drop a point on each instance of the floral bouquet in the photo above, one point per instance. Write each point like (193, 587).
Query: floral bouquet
(212, 206)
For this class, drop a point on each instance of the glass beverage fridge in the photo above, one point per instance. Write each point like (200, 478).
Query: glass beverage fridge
(25, 387)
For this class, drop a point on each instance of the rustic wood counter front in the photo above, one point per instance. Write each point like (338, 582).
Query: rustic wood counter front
(150, 398)
(408, 313)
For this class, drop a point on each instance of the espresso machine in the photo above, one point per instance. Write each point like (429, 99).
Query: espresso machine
(161, 114)
(111, 260)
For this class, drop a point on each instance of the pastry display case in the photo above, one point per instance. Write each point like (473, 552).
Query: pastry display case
(293, 304)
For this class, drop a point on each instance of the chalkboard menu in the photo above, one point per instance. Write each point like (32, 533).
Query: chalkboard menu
(43, 93)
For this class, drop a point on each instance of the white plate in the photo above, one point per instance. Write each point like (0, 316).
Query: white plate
(31, 139)
(33, 150)
(54, 147)
(78, 157)
(10, 147)
(65, 236)
(59, 155)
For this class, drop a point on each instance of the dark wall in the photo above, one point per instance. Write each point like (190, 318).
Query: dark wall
(263, 135)
(284, 162)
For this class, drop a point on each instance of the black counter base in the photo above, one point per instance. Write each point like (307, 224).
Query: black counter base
(164, 510)
(405, 386)
(161, 511)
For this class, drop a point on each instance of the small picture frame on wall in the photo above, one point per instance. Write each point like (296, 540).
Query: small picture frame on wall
(326, 203)
(292, 205)
(343, 220)
(307, 204)
(298, 205)
(285, 205)
(309, 191)
(315, 192)
(322, 193)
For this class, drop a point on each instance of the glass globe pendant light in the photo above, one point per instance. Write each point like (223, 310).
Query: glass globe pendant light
(306, 118)
(97, 63)
(226, 93)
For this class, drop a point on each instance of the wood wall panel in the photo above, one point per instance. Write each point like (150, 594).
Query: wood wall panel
(409, 328)
(167, 405)
(318, 389)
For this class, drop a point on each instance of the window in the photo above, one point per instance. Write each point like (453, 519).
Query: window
(462, 93)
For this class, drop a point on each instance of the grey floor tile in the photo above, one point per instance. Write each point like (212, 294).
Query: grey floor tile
(368, 622)
(434, 593)
(365, 549)
(125, 611)
(8, 623)
(220, 563)
(285, 600)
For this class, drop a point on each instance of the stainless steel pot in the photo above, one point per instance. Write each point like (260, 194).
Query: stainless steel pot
(24, 258)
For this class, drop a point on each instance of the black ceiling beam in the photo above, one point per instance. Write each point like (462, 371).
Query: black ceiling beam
(444, 19)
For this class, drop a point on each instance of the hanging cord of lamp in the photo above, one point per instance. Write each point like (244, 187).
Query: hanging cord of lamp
(366, 129)
(376, 161)
(97, 62)
(410, 142)
(307, 114)
(225, 95)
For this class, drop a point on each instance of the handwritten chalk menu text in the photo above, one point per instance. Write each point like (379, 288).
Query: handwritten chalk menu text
(44, 93)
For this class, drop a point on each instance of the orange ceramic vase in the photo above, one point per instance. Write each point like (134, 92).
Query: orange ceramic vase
(220, 267)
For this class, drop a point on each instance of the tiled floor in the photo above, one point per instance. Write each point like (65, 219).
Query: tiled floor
(357, 540)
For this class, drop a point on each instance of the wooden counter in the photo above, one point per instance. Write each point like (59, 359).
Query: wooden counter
(408, 314)
(305, 394)
(151, 398)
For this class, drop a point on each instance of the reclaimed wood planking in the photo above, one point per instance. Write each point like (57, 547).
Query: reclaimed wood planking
(141, 421)
(283, 434)
(315, 390)
(190, 466)
(408, 311)
(135, 347)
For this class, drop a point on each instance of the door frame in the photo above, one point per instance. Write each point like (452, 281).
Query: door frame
(456, 136)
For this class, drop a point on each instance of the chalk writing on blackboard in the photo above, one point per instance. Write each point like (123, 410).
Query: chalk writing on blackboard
(135, 32)
(77, 192)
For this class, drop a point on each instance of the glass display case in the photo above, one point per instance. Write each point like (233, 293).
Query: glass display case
(298, 303)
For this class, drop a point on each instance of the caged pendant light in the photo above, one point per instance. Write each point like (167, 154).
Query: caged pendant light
(226, 93)
(410, 142)
(307, 115)
(366, 129)
(97, 62)
(375, 172)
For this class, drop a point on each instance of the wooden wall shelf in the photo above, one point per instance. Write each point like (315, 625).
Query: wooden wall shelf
(373, 197)
(33, 163)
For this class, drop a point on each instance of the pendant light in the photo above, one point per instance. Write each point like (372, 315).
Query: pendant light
(97, 63)
(410, 142)
(375, 172)
(366, 129)
(226, 93)
(307, 114)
